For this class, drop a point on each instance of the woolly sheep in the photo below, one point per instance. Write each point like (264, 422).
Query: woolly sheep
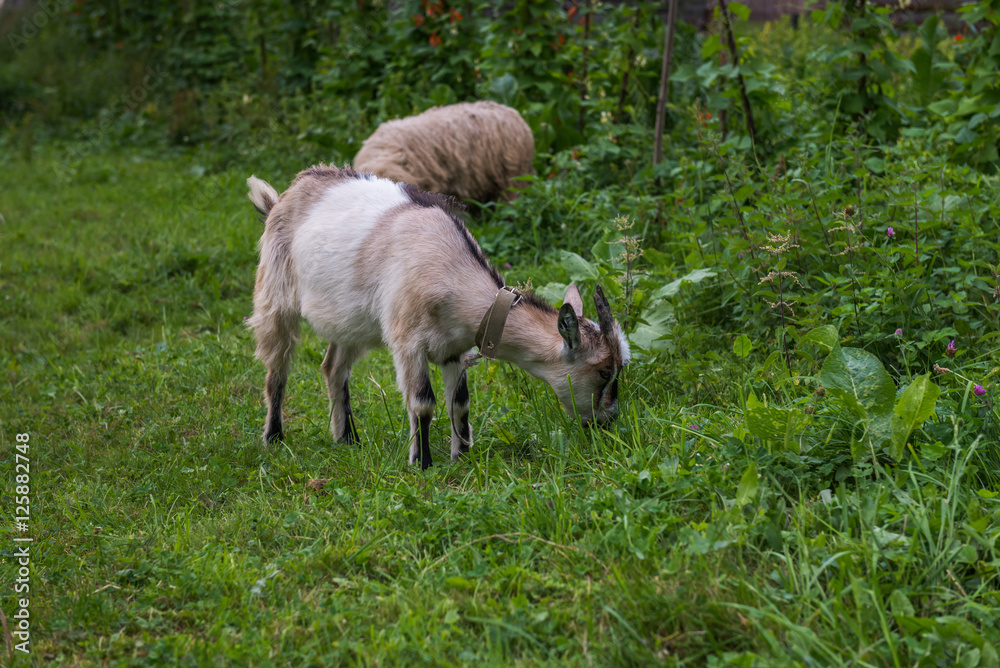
(469, 150)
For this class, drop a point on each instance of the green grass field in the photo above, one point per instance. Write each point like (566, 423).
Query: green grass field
(166, 533)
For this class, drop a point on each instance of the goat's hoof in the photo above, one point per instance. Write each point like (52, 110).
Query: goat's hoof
(274, 437)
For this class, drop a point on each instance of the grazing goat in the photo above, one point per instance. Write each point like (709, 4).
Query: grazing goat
(370, 262)
(469, 150)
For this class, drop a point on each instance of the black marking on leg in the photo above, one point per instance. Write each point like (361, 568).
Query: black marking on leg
(424, 434)
(275, 386)
(464, 433)
(425, 393)
(350, 434)
(461, 397)
(274, 432)
(454, 359)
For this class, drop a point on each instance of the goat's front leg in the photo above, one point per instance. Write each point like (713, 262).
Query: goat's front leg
(337, 373)
(456, 387)
(415, 384)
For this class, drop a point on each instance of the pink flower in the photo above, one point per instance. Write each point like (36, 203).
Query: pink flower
(898, 332)
(950, 350)
(694, 426)
(890, 233)
(979, 390)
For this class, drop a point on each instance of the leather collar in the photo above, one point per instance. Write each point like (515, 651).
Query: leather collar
(491, 328)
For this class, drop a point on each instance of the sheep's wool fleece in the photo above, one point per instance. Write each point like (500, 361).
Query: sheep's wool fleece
(469, 150)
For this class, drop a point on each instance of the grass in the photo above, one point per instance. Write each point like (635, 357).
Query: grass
(167, 533)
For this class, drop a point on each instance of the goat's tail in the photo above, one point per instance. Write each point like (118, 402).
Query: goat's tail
(263, 196)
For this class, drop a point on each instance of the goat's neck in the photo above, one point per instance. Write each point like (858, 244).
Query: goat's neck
(531, 340)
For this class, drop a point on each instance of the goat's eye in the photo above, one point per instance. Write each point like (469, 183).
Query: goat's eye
(605, 374)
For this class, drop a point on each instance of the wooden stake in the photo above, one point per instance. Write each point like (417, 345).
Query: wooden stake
(661, 102)
(583, 68)
(731, 42)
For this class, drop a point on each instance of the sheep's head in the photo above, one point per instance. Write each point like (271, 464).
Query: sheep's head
(593, 355)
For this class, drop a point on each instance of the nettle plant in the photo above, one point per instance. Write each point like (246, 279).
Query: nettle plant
(855, 401)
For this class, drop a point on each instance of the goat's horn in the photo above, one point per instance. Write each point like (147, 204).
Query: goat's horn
(604, 317)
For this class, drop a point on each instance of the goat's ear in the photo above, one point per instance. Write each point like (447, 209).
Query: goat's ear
(604, 317)
(569, 327)
(573, 299)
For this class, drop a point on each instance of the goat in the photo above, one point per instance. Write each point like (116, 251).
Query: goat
(369, 262)
(469, 150)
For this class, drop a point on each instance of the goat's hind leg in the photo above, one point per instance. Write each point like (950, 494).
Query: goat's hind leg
(456, 386)
(337, 373)
(276, 336)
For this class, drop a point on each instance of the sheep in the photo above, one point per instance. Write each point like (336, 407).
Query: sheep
(468, 150)
(369, 262)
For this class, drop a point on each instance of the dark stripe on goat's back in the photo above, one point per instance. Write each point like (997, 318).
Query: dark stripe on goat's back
(449, 205)
(331, 173)
(429, 199)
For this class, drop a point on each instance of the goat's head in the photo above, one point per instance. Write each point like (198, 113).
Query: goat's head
(592, 357)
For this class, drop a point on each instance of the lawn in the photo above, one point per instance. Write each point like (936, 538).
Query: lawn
(166, 532)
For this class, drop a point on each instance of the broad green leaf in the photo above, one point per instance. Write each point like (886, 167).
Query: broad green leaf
(990, 658)
(578, 268)
(608, 250)
(858, 380)
(658, 259)
(710, 47)
(826, 337)
(897, 64)
(942, 107)
(775, 424)
(915, 406)
(968, 105)
(740, 10)
(743, 192)
(749, 484)
(659, 320)
(900, 604)
(553, 292)
(879, 426)
(742, 346)
(672, 288)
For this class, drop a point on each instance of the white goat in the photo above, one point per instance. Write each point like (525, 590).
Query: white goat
(370, 262)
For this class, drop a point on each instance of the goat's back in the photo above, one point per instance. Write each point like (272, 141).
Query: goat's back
(366, 252)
